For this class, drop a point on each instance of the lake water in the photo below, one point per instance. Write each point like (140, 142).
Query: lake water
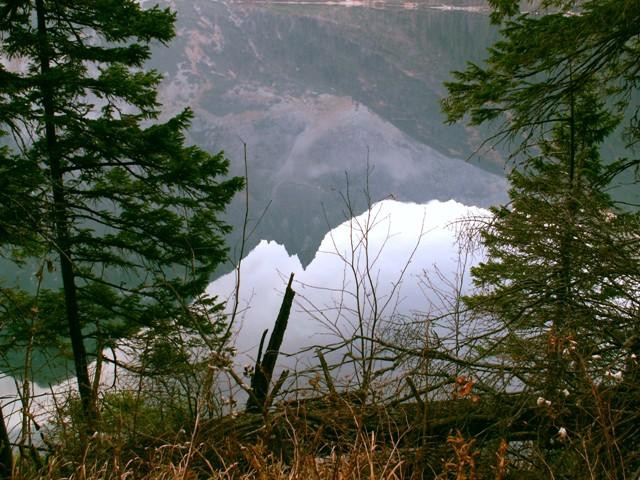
(382, 264)
(318, 92)
(334, 102)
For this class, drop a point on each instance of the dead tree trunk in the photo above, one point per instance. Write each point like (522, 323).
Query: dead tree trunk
(264, 366)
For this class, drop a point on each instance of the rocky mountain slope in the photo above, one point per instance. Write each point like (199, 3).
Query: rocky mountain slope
(317, 92)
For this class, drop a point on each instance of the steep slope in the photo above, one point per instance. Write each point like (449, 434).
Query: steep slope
(315, 91)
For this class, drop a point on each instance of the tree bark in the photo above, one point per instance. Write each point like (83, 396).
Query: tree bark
(62, 237)
(6, 457)
(264, 366)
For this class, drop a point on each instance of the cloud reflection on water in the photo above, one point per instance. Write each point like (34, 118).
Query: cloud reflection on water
(403, 241)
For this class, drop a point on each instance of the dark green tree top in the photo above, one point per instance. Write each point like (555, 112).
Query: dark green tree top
(561, 256)
(94, 179)
(560, 47)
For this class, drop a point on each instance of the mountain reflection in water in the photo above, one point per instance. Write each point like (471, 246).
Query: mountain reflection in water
(397, 244)
(315, 91)
(329, 100)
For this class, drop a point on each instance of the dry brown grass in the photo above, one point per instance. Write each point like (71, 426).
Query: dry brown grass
(366, 459)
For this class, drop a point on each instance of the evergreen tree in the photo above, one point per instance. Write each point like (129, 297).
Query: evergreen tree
(558, 47)
(562, 269)
(112, 200)
(559, 287)
(559, 292)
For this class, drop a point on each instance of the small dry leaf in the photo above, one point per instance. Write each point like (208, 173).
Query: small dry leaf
(501, 457)
(465, 389)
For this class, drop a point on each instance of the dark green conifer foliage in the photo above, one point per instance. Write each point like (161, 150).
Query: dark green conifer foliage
(545, 55)
(559, 286)
(95, 182)
(562, 264)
